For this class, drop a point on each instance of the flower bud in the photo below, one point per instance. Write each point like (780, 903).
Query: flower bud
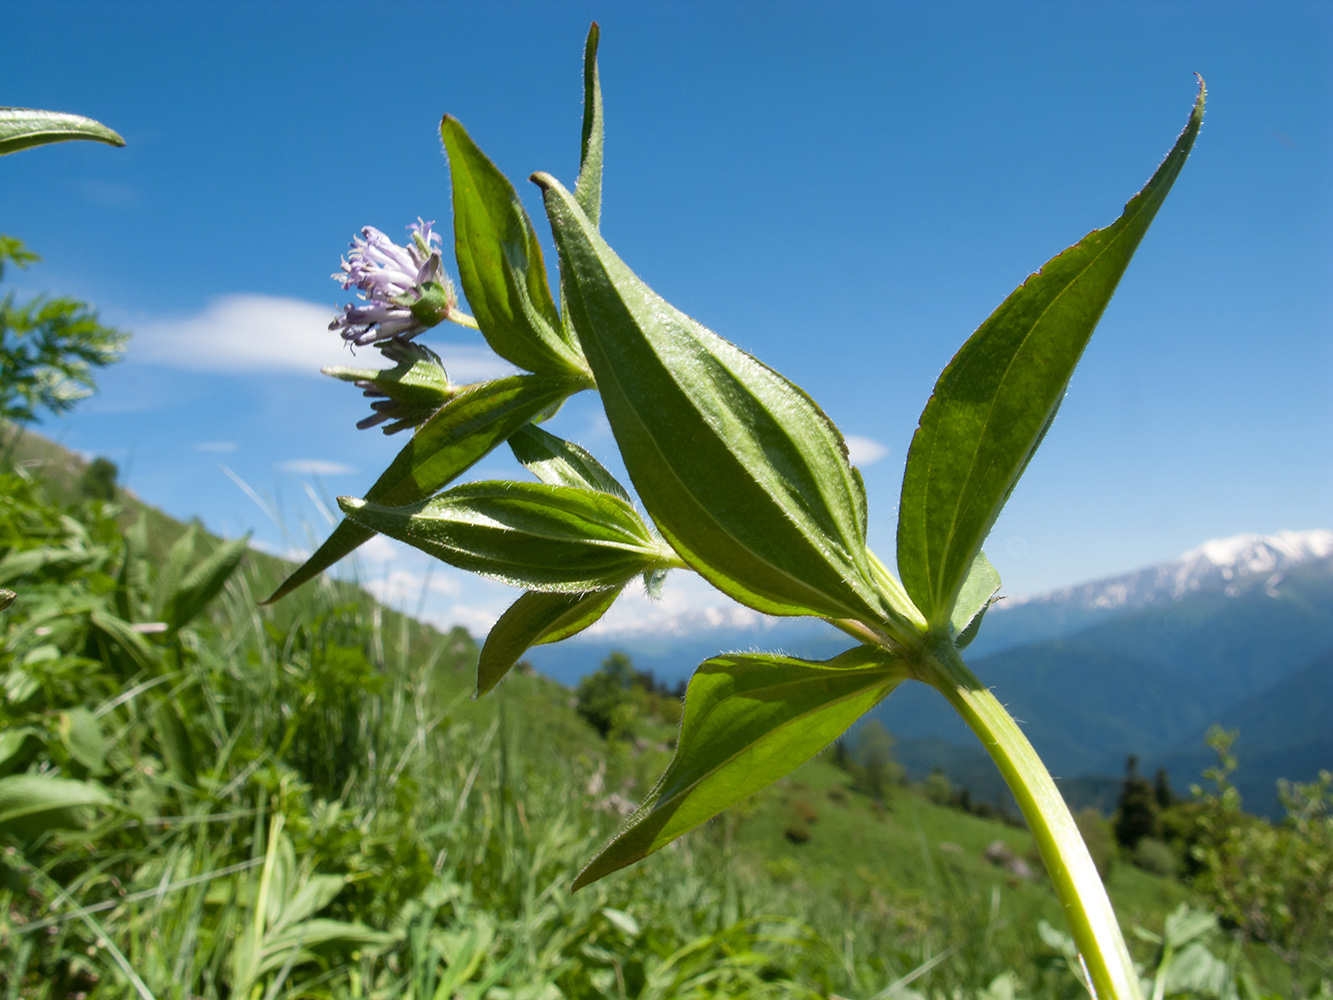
(407, 394)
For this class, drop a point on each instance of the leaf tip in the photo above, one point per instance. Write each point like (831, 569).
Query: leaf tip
(543, 180)
(350, 505)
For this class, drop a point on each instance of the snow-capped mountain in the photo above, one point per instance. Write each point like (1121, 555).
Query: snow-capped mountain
(1225, 564)
(691, 621)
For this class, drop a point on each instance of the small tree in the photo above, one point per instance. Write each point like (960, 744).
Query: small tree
(1274, 882)
(878, 769)
(1136, 815)
(98, 481)
(1162, 791)
(49, 348)
(604, 696)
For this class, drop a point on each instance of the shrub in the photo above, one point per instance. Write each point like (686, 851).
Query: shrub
(1154, 856)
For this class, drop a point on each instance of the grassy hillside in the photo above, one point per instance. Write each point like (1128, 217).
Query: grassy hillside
(304, 801)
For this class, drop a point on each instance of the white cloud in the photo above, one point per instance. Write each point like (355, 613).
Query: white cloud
(108, 193)
(470, 363)
(315, 467)
(215, 446)
(688, 604)
(256, 334)
(244, 334)
(382, 550)
(401, 588)
(864, 451)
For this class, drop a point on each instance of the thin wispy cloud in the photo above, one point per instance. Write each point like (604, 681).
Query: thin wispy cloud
(315, 467)
(258, 334)
(108, 194)
(864, 451)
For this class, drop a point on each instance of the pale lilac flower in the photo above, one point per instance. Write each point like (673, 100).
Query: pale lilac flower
(403, 290)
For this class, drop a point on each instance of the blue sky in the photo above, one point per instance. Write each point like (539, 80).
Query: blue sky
(844, 189)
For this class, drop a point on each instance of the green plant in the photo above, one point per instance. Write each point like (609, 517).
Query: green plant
(745, 481)
(48, 347)
(1136, 812)
(1274, 882)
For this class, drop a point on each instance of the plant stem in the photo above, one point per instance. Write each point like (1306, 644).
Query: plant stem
(1077, 884)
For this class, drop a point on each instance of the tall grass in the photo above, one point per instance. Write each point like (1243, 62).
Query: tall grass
(303, 801)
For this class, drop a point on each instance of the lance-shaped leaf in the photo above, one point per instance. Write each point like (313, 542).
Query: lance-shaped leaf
(742, 472)
(23, 128)
(500, 263)
(588, 188)
(203, 583)
(749, 720)
(562, 463)
(462, 432)
(998, 395)
(555, 538)
(976, 595)
(33, 804)
(536, 618)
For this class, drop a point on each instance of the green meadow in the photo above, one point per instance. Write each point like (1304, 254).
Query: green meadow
(203, 797)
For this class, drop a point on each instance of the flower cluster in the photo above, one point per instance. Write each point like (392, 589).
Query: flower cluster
(404, 290)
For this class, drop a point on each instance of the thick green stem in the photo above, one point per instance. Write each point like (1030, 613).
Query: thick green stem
(1077, 884)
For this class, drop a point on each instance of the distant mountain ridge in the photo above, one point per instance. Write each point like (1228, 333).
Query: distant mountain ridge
(1226, 566)
(1234, 631)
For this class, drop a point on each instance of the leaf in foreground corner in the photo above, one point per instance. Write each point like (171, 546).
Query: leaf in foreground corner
(999, 394)
(464, 430)
(23, 128)
(749, 720)
(536, 618)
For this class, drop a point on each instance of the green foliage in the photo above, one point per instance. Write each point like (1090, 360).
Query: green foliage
(356, 827)
(49, 348)
(998, 396)
(1136, 813)
(1274, 882)
(748, 721)
(408, 394)
(748, 483)
(476, 420)
(535, 618)
(1153, 855)
(500, 263)
(744, 475)
(98, 481)
(604, 699)
(938, 788)
(560, 539)
(878, 770)
(24, 128)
